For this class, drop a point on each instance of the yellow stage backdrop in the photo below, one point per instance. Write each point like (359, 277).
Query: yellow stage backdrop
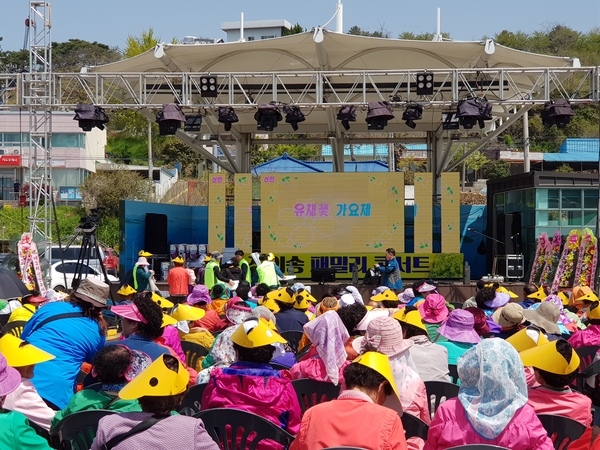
(243, 212)
(450, 212)
(423, 212)
(331, 213)
(216, 212)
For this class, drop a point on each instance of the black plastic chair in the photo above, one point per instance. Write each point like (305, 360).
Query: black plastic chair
(4, 319)
(453, 371)
(586, 355)
(193, 352)
(457, 305)
(302, 354)
(561, 430)
(78, 430)
(414, 427)
(192, 400)
(234, 429)
(96, 387)
(15, 328)
(312, 392)
(293, 339)
(438, 392)
(478, 447)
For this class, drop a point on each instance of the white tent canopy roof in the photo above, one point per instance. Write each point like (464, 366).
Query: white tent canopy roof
(325, 50)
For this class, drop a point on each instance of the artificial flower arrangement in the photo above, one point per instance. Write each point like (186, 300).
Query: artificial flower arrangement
(29, 262)
(552, 259)
(565, 275)
(539, 261)
(588, 258)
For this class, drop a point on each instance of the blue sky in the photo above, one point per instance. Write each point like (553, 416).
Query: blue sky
(111, 21)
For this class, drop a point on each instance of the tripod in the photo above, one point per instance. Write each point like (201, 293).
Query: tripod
(89, 245)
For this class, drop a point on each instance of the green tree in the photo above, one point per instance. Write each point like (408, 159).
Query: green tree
(420, 36)
(296, 29)
(262, 154)
(74, 54)
(476, 161)
(105, 190)
(497, 169)
(14, 62)
(381, 33)
(174, 151)
(136, 45)
(564, 168)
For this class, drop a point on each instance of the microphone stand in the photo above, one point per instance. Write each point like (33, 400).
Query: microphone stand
(493, 239)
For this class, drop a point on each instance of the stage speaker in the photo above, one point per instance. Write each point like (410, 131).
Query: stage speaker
(155, 240)
(322, 275)
(509, 232)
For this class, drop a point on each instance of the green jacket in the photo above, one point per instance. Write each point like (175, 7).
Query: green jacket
(209, 274)
(266, 274)
(244, 265)
(141, 278)
(16, 434)
(87, 399)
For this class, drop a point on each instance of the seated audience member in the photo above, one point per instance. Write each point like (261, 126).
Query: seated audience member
(582, 297)
(304, 301)
(142, 324)
(30, 303)
(159, 389)
(15, 432)
(433, 311)
(328, 336)
(287, 359)
(114, 366)
(510, 318)
(351, 316)
(251, 384)
(384, 335)
(566, 323)
(459, 330)
(471, 302)
(243, 292)
(23, 357)
(356, 418)
(545, 316)
(288, 318)
(72, 331)
(222, 354)
(555, 366)
(491, 407)
(481, 326)
(532, 294)
(186, 316)
(200, 298)
(591, 335)
(126, 292)
(525, 339)
(327, 304)
(219, 294)
(431, 360)
(387, 298)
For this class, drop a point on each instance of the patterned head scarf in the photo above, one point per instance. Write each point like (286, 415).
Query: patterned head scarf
(492, 387)
(563, 318)
(328, 334)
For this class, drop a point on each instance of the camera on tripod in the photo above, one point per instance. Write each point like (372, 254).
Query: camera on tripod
(90, 224)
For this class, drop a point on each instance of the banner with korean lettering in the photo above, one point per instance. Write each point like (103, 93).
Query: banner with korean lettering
(243, 212)
(450, 224)
(412, 265)
(423, 212)
(216, 212)
(354, 212)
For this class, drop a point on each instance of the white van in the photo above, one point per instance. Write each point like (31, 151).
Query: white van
(72, 254)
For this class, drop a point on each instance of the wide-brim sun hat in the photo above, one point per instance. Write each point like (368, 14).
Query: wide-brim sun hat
(499, 300)
(506, 291)
(406, 296)
(547, 357)
(93, 291)
(200, 293)
(540, 294)
(10, 378)
(460, 327)
(178, 260)
(434, 309)
(545, 316)
(510, 315)
(142, 261)
(384, 335)
(370, 316)
(19, 353)
(426, 288)
(186, 313)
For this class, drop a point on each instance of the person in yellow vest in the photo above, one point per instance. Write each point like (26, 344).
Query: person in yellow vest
(31, 302)
(244, 266)
(212, 271)
(266, 271)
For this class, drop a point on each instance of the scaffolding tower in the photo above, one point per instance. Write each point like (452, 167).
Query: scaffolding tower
(37, 96)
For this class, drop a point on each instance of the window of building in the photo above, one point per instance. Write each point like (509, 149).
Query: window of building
(271, 36)
(250, 38)
(68, 140)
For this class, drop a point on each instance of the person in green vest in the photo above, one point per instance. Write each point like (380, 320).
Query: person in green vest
(266, 271)
(244, 266)
(212, 270)
(15, 431)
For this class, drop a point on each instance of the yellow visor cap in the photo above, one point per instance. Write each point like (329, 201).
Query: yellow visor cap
(157, 380)
(304, 295)
(167, 320)
(144, 253)
(161, 301)
(581, 293)
(527, 338)
(593, 311)
(301, 302)
(563, 298)
(269, 323)
(270, 304)
(254, 332)
(388, 294)
(282, 294)
(178, 260)
(380, 363)
(546, 357)
(185, 312)
(540, 294)
(126, 290)
(19, 353)
(410, 317)
(506, 291)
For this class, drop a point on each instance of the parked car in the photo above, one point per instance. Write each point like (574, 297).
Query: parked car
(89, 256)
(111, 261)
(60, 270)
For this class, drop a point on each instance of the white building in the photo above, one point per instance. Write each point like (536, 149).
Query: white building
(255, 30)
(74, 152)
